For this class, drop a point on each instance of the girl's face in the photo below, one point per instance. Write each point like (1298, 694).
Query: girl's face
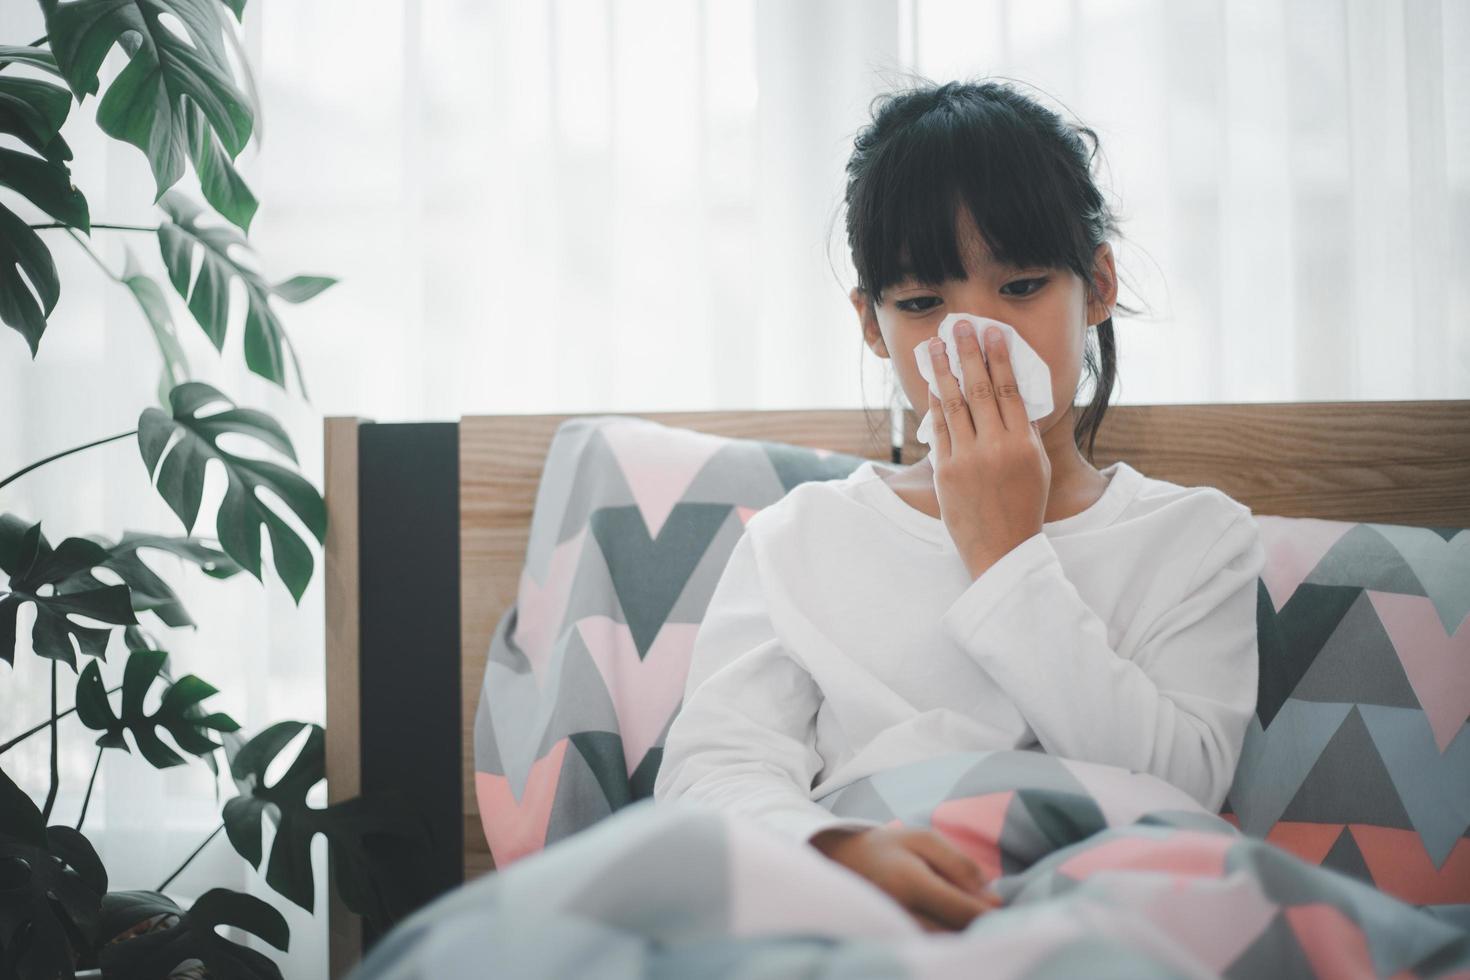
(1049, 308)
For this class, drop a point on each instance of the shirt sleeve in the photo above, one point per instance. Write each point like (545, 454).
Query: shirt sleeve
(1177, 708)
(743, 741)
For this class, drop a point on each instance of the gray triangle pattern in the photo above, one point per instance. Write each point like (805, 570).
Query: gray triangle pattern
(738, 473)
(504, 650)
(692, 603)
(1346, 858)
(859, 799)
(923, 785)
(1366, 559)
(513, 724)
(648, 575)
(1358, 664)
(598, 482)
(1022, 841)
(526, 723)
(581, 702)
(1440, 558)
(795, 465)
(1370, 797)
(580, 800)
(591, 592)
(570, 445)
(487, 752)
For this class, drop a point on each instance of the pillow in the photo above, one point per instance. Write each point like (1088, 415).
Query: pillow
(1358, 758)
(632, 526)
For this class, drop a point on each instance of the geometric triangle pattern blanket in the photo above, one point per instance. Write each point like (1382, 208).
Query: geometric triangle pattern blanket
(1357, 760)
(1101, 872)
(1358, 757)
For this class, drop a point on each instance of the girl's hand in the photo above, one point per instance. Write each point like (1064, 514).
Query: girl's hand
(991, 471)
(940, 887)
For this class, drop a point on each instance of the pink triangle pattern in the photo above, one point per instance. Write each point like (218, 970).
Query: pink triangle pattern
(1184, 852)
(1190, 910)
(1437, 664)
(974, 824)
(644, 692)
(540, 607)
(1294, 547)
(746, 513)
(1332, 943)
(658, 466)
(516, 829)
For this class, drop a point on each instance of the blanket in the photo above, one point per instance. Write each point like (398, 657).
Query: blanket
(1104, 872)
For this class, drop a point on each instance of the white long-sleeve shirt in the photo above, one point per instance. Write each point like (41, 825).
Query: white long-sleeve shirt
(846, 636)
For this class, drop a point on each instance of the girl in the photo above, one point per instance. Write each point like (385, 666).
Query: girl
(1002, 593)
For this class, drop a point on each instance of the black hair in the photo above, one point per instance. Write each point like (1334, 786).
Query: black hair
(1023, 172)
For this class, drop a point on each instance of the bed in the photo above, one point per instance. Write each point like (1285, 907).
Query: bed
(430, 524)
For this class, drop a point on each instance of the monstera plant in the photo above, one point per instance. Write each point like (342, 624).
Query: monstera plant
(180, 101)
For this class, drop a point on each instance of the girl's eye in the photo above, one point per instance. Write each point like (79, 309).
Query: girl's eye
(1041, 281)
(918, 299)
(908, 305)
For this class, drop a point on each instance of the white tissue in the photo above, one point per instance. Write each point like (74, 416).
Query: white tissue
(1033, 377)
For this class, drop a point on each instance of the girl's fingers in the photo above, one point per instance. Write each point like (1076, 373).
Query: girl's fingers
(941, 428)
(960, 423)
(1007, 405)
(939, 899)
(949, 861)
(928, 923)
(980, 382)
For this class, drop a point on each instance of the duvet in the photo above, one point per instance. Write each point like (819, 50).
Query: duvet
(1104, 873)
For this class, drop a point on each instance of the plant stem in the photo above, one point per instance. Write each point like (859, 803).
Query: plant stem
(177, 373)
(34, 44)
(93, 255)
(23, 471)
(191, 857)
(58, 224)
(88, 798)
(55, 770)
(42, 726)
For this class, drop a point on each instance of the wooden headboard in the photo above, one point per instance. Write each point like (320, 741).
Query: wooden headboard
(1389, 462)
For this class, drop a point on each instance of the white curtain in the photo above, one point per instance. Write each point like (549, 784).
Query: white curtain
(599, 205)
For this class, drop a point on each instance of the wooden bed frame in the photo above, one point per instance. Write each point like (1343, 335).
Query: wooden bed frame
(429, 524)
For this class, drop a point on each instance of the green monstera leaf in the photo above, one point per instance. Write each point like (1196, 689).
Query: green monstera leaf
(51, 886)
(178, 468)
(378, 844)
(135, 639)
(187, 727)
(181, 239)
(151, 301)
(23, 306)
(161, 936)
(32, 564)
(46, 184)
(176, 98)
(149, 593)
(32, 110)
(26, 54)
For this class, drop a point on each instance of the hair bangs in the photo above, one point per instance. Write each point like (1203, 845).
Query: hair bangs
(979, 156)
